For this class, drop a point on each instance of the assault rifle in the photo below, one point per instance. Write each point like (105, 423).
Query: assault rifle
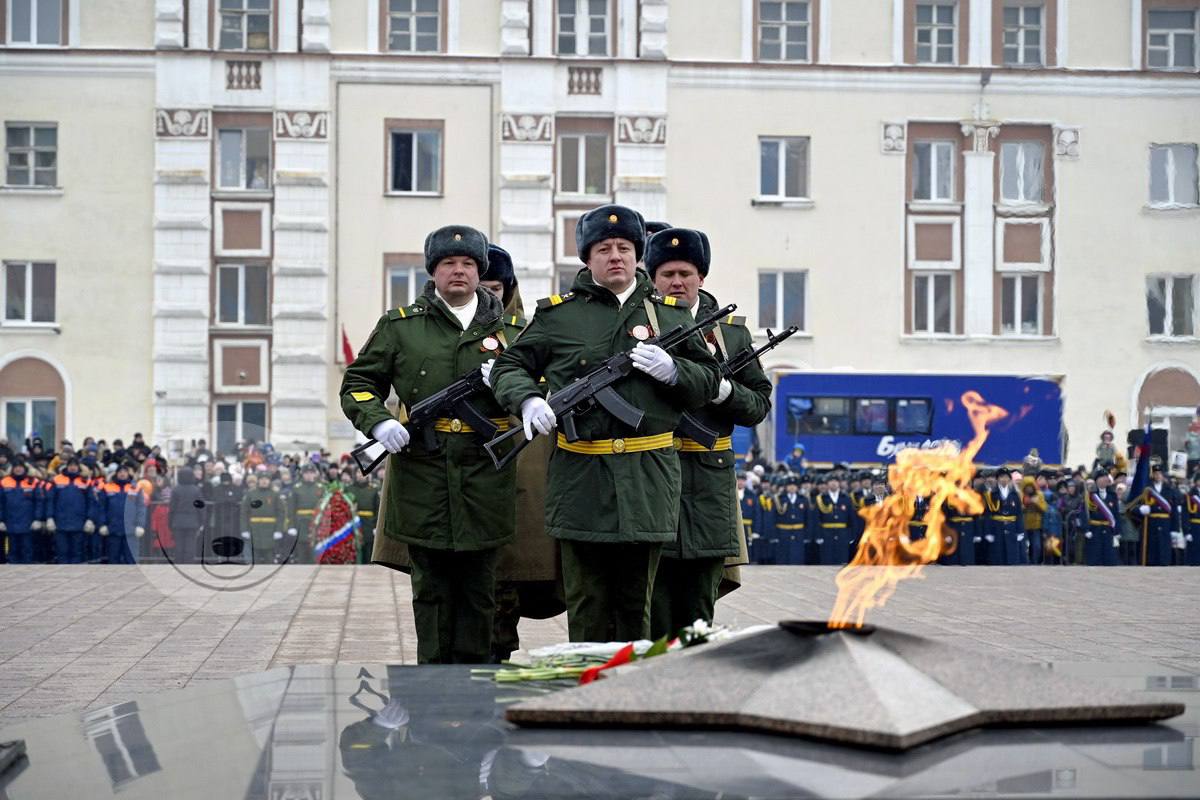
(586, 391)
(453, 401)
(696, 430)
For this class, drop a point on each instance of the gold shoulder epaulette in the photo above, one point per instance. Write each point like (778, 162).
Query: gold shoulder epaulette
(515, 321)
(406, 312)
(734, 320)
(666, 300)
(555, 300)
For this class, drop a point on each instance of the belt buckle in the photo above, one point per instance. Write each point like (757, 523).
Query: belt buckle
(618, 446)
(456, 425)
(677, 442)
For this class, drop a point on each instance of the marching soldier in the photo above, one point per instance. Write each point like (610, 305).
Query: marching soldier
(302, 503)
(451, 507)
(67, 506)
(1004, 522)
(1102, 509)
(833, 514)
(1158, 515)
(612, 496)
(792, 522)
(262, 519)
(690, 569)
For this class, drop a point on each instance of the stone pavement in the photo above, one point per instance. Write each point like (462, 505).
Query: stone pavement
(75, 637)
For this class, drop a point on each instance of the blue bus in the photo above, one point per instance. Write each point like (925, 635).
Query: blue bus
(866, 418)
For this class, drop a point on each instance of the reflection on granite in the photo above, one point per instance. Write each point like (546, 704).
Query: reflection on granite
(369, 731)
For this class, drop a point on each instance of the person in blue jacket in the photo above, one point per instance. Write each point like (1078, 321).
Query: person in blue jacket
(68, 505)
(791, 521)
(1005, 526)
(21, 511)
(1103, 511)
(124, 516)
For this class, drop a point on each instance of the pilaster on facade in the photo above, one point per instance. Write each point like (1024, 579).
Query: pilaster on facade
(652, 29)
(978, 223)
(168, 24)
(515, 38)
(316, 27)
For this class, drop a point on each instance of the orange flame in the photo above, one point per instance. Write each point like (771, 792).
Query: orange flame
(885, 554)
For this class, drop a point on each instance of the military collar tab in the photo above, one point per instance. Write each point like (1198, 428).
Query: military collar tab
(515, 321)
(665, 300)
(555, 300)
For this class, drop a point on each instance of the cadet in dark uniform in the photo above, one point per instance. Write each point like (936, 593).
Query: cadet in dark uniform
(833, 514)
(689, 572)
(262, 519)
(1005, 520)
(1103, 511)
(302, 507)
(748, 505)
(1191, 522)
(613, 496)
(791, 521)
(366, 501)
(449, 504)
(1156, 512)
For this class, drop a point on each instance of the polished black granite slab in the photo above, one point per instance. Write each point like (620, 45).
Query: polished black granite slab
(327, 732)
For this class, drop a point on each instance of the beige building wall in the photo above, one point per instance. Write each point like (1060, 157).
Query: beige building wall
(348, 27)
(124, 24)
(706, 30)
(860, 32)
(98, 231)
(478, 28)
(1098, 35)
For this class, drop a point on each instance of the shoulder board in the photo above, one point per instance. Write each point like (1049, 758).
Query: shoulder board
(665, 300)
(7, 482)
(734, 320)
(61, 480)
(406, 312)
(516, 322)
(555, 300)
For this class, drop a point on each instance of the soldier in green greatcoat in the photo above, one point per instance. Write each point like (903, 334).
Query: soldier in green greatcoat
(366, 500)
(302, 503)
(691, 567)
(449, 504)
(612, 497)
(263, 516)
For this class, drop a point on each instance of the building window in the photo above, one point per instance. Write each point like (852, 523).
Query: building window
(933, 303)
(34, 22)
(1171, 305)
(31, 154)
(414, 26)
(244, 155)
(583, 28)
(28, 292)
(1021, 172)
(583, 163)
(1172, 38)
(238, 422)
(405, 284)
(564, 278)
(781, 299)
(783, 168)
(1020, 305)
(1173, 175)
(416, 161)
(245, 24)
(914, 416)
(933, 171)
(24, 416)
(1023, 27)
(242, 294)
(936, 33)
(783, 30)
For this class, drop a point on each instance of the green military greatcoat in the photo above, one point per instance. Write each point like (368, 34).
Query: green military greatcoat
(302, 503)
(262, 515)
(451, 498)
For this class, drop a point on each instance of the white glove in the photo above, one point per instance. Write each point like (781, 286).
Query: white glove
(391, 434)
(1143, 509)
(277, 535)
(655, 362)
(1116, 541)
(723, 391)
(990, 538)
(139, 531)
(89, 526)
(976, 540)
(1189, 538)
(50, 526)
(291, 531)
(246, 535)
(3, 527)
(486, 369)
(104, 530)
(1020, 537)
(820, 541)
(536, 413)
(36, 526)
(1087, 535)
(391, 716)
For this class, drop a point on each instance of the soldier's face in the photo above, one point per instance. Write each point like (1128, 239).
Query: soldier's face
(680, 280)
(612, 262)
(456, 278)
(495, 287)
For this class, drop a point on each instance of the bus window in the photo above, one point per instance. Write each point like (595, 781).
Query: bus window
(818, 416)
(914, 416)
(871, 416)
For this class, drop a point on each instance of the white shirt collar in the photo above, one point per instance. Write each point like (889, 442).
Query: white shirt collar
(464, 313)
(623, 296)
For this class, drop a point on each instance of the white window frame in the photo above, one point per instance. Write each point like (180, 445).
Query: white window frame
(581, 169)
(1170, 202)
(955, 262)
(32, 149)
(33, 26)
(264, 367)
(1023, 200)
(1042, 265)
(783, 26)
(1168, 316)
(781, 316)
(264, 211)
(930, 302)
(415, 284)
(28, 400)
(934, 27)
(27, 322)
(582, 42)
(242, 158)
(244, 12)
(781, 167)
(933, 171)
(413, 16)
(239, 421)
(392, 191)
(1170, 33)
(1019, 276)
(1021, 28)
(241, 313)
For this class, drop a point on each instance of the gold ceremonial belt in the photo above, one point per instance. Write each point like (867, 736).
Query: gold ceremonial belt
(366, 513)
(608, 447)
(1195, 521)
(961, 519)
(919, 522)
(1160, 516)
(458, 426)
(306, 512)
(833, 524)
(1101, 522)
(262, 519)
(999, 518)
(685, 445)
(789, 526)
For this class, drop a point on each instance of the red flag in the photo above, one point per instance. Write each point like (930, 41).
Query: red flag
(347, 350)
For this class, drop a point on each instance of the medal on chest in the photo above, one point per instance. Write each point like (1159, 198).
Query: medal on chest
(641, 332)
(490, 344)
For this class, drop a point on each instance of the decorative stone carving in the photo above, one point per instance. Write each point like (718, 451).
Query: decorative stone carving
(652, 27)
(301, 124)
(642, 130)
(182, 123)
(584, 80)
(514, 28)
(981, 128)
(1066, 143)
(168, 24)
(532, 128)
(243, 75)
(894, 141)
(316, 26)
